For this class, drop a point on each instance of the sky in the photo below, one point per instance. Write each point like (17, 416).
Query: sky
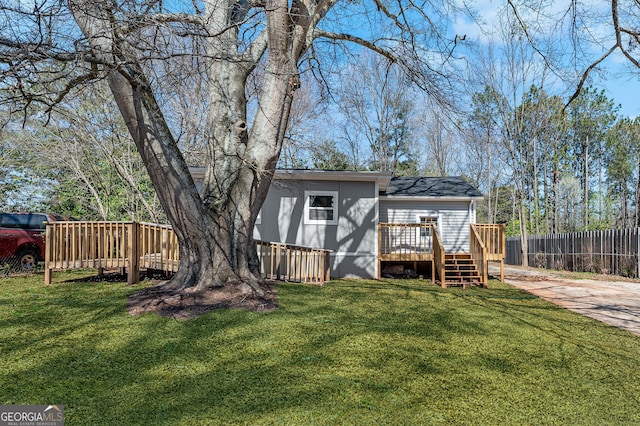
(616, 75)
(624, 89)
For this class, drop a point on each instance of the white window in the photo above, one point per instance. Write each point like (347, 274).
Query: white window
(321, 207)
(427, 220)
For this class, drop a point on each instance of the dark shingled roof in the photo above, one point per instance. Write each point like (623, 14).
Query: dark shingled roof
(450, 186)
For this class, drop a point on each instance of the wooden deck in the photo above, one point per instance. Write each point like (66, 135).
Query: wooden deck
(134, 246)
(405, 242)
(413, 242)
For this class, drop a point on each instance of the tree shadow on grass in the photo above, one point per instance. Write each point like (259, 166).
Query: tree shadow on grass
(344, 353)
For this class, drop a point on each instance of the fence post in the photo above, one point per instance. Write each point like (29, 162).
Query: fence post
(638, 250)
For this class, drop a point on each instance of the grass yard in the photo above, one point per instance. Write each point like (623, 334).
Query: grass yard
(352, 352)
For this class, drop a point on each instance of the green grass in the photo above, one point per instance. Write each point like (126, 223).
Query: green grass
(352, 352)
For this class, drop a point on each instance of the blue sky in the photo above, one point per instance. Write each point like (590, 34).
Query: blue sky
(624, 88)
(616, 75)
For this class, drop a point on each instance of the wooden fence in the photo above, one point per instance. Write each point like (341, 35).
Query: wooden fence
(607, 252)
(135, 246)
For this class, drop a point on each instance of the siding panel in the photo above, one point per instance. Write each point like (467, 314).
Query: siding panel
(353, 239)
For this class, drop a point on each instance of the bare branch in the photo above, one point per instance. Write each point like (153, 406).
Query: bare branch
(585, 75)
(381, 7)
(71, 84)
(532, 42)
(358, 40)
(618, 31)
(256, 49)
(166, 18)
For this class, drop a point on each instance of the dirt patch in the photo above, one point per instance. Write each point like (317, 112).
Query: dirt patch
(189, 304)
(528, 278)
(531, 278)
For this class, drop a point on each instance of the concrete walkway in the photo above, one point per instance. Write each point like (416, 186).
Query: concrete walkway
(613, 302)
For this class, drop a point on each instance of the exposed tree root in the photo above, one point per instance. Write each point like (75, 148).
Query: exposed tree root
(189, 303)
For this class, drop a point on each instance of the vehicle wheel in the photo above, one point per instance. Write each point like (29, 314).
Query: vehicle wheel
(28, 260)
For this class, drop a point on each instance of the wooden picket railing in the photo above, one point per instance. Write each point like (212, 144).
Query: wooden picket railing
(479, 254)
(135, 246)
(294, 263)
(405, 241)
(99, 245)
(157, 247)
(494, 237)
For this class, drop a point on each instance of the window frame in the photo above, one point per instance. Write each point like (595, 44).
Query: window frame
(435, 219)
(307, 207)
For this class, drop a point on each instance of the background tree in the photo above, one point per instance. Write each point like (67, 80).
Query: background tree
(436, 132)
(590, 115)
(482, 136)
(88, 161)
(327, 156)
(377, 107)
(509, 72)
(621, 161)
(307, 128)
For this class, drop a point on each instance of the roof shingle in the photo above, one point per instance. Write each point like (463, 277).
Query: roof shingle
(449, 186)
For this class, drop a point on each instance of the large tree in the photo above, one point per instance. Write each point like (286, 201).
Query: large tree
(244, 59)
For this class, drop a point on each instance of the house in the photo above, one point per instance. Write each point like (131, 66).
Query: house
(372, 221)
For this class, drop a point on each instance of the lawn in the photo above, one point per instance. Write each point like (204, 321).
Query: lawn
(352, 352)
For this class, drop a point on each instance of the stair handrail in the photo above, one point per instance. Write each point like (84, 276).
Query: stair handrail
(479, 254)
(438, 255)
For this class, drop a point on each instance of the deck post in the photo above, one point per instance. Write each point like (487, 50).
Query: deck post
(48, 242)
(133, 276)
(327, 267)
(503, 250)
(433, 272)
(380, 252)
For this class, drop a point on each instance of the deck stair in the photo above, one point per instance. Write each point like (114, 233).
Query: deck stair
(461, 270)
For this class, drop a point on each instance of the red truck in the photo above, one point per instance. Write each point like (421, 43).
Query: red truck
(22, 238)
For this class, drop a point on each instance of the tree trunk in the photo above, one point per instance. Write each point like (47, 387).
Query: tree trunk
(523, 231)
(586, 184)
(214, 228)
(637, 196)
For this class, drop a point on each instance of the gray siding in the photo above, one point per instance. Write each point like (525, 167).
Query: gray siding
(453, 218)
(353, 239)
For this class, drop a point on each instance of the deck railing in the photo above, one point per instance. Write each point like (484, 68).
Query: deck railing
(494, 237)
(294, 263)
(135, 246)
(479, 254)
(78, 245)
(158, 247)
(405, 241)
